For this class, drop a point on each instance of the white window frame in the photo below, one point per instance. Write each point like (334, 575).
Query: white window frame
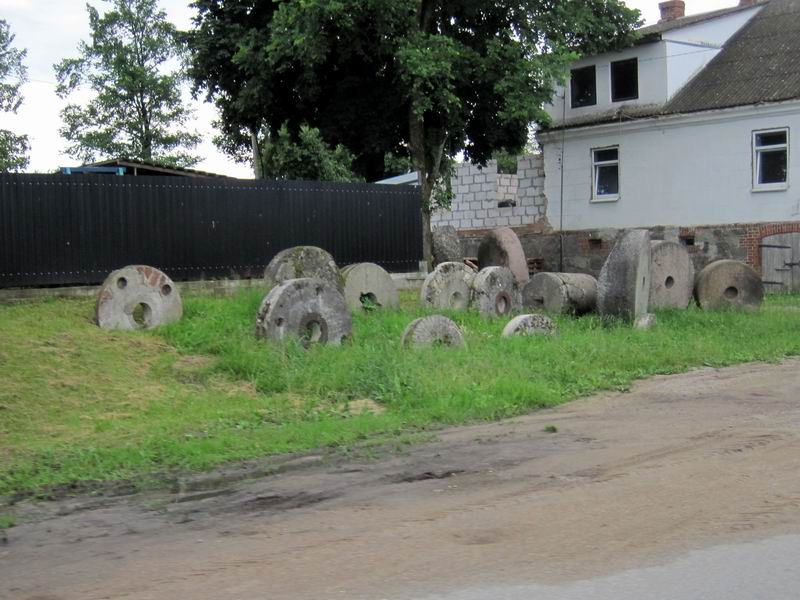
(757, 150)
(605, 163)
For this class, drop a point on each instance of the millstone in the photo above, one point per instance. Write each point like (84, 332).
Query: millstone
(502, 248)
(446, 245)
(302, 262)
(308, 309)
(729, 284)
(366, 286)
(448, 286)
(137, 297)
(623, 289)
(433, 330)
(530, 325)
(671, 275)
(495, 292)
(560, 293)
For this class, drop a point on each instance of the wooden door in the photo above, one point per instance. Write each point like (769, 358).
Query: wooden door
(780, 263)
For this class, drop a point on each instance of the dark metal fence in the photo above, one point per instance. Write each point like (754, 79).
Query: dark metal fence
(60, 230)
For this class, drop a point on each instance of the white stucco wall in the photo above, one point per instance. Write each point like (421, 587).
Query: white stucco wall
(683, 170)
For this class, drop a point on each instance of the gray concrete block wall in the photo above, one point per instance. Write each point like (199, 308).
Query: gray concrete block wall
(479, 192)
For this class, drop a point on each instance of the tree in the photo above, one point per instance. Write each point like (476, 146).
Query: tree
(136, 110)
(310, 158)
(438, 76)
(13, 74)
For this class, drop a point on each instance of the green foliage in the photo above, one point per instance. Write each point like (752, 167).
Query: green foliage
(80, 404)
(13, 74)
(309, 158)
(136, 110)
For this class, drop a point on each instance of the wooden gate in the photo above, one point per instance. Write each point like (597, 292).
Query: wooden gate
(780, 263)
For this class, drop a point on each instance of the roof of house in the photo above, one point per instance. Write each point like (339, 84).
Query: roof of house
(760, 63)
(143, 167)
(651, 31)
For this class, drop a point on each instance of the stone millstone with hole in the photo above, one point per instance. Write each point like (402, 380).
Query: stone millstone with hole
(435, 330)
(137, 297)
(448, 286)
(495, 292)
(367, 285)
(302, 262)
(308, 309)
(446, 245)
(671, 275)
(560, 293)
(623, 288)
(502, 248)
(530, 325)
(729, 284)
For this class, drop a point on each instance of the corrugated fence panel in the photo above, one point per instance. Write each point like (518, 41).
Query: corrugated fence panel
(67, 230)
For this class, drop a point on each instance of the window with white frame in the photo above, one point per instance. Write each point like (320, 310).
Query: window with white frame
(771, 159)
(605, 174)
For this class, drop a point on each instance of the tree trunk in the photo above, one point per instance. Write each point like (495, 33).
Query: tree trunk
(258, 168)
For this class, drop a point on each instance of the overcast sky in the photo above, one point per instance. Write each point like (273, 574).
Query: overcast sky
(51, 30)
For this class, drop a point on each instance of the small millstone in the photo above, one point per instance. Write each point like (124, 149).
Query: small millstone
(368, 286)
(729, 284)
(137, 297)
(435, 330)
(448, 286)
(536, 324)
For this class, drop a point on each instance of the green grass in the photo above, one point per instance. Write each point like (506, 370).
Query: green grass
(79, 404)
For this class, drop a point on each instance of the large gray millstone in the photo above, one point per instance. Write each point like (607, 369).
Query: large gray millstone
(502, 248)
(561, 293)
(137, 287)
(729, 284)
(433, 330)
(526, 325)
(369, 285)
(448, 286)
(302, 262)
(623, 288)
(495, 292)
(446, 245)
(309, 309)
(671, 275)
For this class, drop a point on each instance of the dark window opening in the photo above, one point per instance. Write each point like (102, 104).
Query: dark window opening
(583, 87)
(625, 80)
(687, 241)
(595, 243)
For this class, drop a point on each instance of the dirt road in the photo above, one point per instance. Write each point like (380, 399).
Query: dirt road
(628, 481)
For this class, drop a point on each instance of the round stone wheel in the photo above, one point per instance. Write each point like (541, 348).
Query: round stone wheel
(560, 293)
(448, 287)
(137, 297)
(308, 309)
(536, 324)
(623, 288)
(729, 284)
(502, 248)
(671, 275)
(495, 292)
(435, 330)
(446, 245)
(303, 262)
(368, 286)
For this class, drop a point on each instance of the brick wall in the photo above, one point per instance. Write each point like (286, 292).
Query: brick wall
(485, 199)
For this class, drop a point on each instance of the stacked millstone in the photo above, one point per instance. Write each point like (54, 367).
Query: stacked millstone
(137, 297)
(502, 248)
(306, 301)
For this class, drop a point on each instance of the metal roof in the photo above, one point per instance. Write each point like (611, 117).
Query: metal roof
(153, 168)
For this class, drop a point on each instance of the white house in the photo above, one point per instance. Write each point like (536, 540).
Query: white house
(694, 131)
